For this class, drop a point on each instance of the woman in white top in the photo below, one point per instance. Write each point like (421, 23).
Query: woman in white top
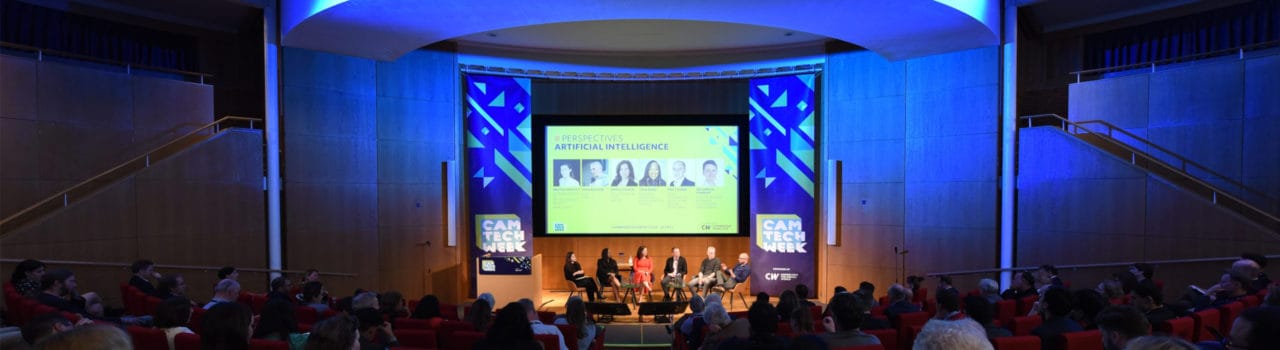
(172, 316)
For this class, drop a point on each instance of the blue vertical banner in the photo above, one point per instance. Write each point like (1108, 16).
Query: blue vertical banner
(782, 183)
(500, 177)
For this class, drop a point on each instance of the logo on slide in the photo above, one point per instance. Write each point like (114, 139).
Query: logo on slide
(780, 233)
(558, 227)
(500, 233)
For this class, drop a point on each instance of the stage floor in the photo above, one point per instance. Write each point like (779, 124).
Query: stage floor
(629, 331)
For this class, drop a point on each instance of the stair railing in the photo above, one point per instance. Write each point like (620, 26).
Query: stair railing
(87, 187)
(1215, 194)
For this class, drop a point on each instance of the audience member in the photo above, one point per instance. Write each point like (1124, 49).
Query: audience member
(393, 306)
(311, 275)
(840, 289)
(510, 331)
(486, 296)
(280, 288)
(948, 305)
(802, 321)
(802, 295)
(226, 326)
(96, 337)
(172, 317)
(1055, 310)
(480, 315)
(763, 319)
(1119, 324)
(720, 329)
(945, 286)
(1046, 277)
(59, 288)
(1087, 303)
(1159, 343)
(334, 333)
(143, 270)
(914, 283)
(364, 300)
(843, 322)
(536, 324)
(172, 285)
(1022, 285)
(869, 322)
(982, 311)
(868, 291)
(312, 294)
(990, 290)
(1256, 329)
(692, 321)
(26, 277)
(899, 303)
(229, 273)
(375, 332)
(1229, 289)
(1110, 289)
(1143, 272)
(1151, 303)
(226, 291)
(277, 321)
(1248, 270)
(428, 308)
(787, 302)
(1260, 281)
(576, 316)
(963, 334)
(46, 325)
(1126, 280)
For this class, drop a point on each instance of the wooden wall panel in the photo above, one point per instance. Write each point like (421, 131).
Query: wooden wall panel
(694, 249)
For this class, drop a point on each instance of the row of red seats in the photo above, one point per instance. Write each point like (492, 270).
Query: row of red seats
(23, 309)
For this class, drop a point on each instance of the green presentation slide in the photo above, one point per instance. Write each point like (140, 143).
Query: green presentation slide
(675, 179)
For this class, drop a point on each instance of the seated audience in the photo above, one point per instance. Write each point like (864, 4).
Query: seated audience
(59, 288)
(510, 331)
(869, 322)
(1249, 271)
(1046, 277)
(393, 306)
(1126, 280)
(280, 288)
(226, 326)
(172, 317)
(334, 333)
(486, 296)
(982, 311)
(576, 316)
(536, 324)
(143, 270)
(914, 283)
(802, 295)
(229, 273)
(1110, 289)
(1256, 328)
(1151, 303)
(480, 315)
(990, 290)
(1259, 280)
(963, 334)
(899, 303)
(1229, 289)
(172, 285)
(97, 337)
(693, 320)
(1086, 305)
(428, 309)
(720, 329)
(1159, 343)
(1055, 310)
(313, 297)
(948, 305)
(787, 302)
(843, 322)
(840, 289)
(364, 300)
(763, 319)
(1143, 273)
(226, 291)
(802, 321)
(945, 285)
(26, 277)
(868, 290)
(277, 321)
(1022, 285)
(1120, 324)
(46, 325)
(375, 332)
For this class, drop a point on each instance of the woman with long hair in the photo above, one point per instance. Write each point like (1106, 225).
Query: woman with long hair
(172, 317)
(652, 175)
(334, 333)
(277, 321)
(428, 309)
(607, 271)
(576, 316)
(26, 277)
(574, 273)
(624, 174)
(642, 270)
(480, 315)
(510, 331)
(226, 327)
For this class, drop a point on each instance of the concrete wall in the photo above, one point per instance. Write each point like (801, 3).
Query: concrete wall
(1218, 113)
(362, 147)
(919, 144)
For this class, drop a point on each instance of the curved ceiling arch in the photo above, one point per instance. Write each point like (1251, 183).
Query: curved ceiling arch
(387, 29)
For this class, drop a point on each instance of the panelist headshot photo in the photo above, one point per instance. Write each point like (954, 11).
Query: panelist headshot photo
(677, 174)
(596, 176)
(567, 174)
(652, 175)
(624, 175)
(710, 173)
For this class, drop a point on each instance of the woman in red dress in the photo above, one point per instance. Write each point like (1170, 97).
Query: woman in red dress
(643, 270)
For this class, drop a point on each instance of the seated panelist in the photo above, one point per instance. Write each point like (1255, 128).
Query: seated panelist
(573, 272)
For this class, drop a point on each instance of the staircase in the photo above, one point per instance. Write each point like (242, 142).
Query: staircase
(87, 188)
(1190, 176)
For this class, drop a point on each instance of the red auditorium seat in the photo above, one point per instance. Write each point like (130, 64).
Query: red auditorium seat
(1006, 310)
(1227, 316)
(263, 344)
(197, 319)
(879, 310)
(417, 338)
(411, 323)
(549, 341)
(598, 343)
(306, 314)
(1205, 319)
(678, 342)
(909, 324)
(1086, 340)
(450, 311)
(257, 302)
(930, 306)
(126, 297)
(570, 333)
(1251, 301)
(1025, 342)
(460, 340)
(447, 328)
(1023, 325)
(547, 317)
(920, 295)
(186, 341)
(884, 301)
(1181, 327)
(888, 337)
(784, 330)
(1024, 304)
(862, 347)
(148, 338)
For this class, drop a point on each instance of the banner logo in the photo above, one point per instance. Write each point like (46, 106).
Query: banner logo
(500, 233)
(780, 233)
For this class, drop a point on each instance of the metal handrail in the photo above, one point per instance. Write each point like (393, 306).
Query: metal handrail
(143, 161)
(1183, 160)
(175, 267)
(1093, 266)
(41, 52)
(1152, 64)
(1068, 126)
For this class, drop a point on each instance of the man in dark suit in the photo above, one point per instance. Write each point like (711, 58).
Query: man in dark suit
(673, 271)
(142, 270)
(869, 322)
(677, 170)
(1055, 310)
(898, 303)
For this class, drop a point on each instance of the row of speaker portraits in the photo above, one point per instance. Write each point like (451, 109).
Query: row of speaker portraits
(623, 172)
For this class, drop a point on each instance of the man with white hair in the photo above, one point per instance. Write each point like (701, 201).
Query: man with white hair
(366, 300)
(706, 277)
(990, 290)
(962, 334)
(226, 291)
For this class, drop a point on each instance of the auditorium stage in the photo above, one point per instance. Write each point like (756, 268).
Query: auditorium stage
(628, 331)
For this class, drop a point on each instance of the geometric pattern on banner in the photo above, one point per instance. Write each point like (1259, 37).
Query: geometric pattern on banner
(499, 153)
(781, 144)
